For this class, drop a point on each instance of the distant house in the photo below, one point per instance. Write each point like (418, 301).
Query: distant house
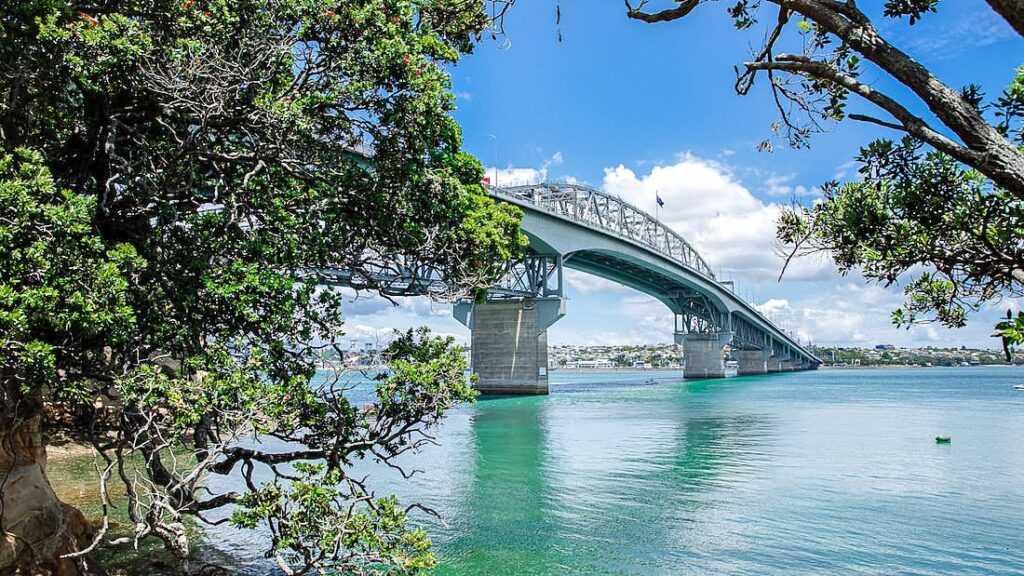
(595, 363)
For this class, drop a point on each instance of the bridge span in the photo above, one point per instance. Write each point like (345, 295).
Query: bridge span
(585, 229)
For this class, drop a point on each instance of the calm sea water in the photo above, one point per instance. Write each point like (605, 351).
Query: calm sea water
(827, 472)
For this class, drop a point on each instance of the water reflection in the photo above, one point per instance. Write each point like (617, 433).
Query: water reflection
(566, 484)
(503, 520)
(806, 473)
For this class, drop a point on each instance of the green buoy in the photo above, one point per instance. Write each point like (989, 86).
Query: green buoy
(943, 439)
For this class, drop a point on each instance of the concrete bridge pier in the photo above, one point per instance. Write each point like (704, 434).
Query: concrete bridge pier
(703, 355)
(509, 343)
(752, 362)
(775, 363)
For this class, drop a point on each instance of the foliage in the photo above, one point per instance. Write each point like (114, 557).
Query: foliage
(1010, 331)
(921, 212)
(912, 207)
(176, 177)
(310, 519)
(63, 293)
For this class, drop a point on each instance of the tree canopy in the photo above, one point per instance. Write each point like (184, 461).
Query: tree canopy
(175, 178)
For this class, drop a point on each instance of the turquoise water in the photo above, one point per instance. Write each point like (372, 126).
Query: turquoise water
(827, 472)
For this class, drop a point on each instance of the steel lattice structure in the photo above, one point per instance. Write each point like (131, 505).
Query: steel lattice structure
(610, 214)
(702, 304)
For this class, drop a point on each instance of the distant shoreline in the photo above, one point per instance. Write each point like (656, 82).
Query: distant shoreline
(624, 369)
(876, 366)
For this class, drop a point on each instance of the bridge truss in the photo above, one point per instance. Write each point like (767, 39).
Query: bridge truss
(540, 276)
(612, 215)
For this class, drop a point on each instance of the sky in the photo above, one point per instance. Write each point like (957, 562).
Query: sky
(637, 109)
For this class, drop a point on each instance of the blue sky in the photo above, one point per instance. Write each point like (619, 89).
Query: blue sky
(632, 108)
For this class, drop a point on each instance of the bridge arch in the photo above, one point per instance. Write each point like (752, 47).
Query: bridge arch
(585, 229)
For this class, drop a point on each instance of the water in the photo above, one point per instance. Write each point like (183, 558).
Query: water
(827, 472)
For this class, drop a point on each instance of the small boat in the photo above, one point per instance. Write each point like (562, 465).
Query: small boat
(943, 439)
(1018, 386)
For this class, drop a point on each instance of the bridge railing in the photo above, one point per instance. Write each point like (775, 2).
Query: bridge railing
(611, 214)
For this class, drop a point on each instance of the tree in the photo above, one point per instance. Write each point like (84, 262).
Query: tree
(947, 198)
(176, 179)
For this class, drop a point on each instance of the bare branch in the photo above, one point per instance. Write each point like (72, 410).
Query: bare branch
(910, 122)
(666, 15)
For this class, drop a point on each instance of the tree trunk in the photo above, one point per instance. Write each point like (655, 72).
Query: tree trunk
(37, 527)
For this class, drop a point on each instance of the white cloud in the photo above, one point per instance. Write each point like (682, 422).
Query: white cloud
(515, 176)
(635, 319)
(731, 228)
(358, 304)
(855, 313)
(780, 186)
(847, 168)
(773, 306)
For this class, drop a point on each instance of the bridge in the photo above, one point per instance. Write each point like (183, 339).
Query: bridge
(585, 229)
(578, 227)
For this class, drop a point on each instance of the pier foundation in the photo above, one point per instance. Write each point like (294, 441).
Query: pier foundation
(703, 355)
(510, 347)
(752, 362)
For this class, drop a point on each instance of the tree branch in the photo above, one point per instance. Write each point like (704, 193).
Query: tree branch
(996, 157)
(667, 15)
(909, 122)
(880, 122)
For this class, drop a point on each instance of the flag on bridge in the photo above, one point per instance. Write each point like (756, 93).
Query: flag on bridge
(660, 201)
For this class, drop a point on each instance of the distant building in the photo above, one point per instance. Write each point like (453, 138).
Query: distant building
(595, 363)
(885, 347)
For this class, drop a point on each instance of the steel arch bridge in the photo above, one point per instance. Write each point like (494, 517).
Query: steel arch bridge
(579, 227)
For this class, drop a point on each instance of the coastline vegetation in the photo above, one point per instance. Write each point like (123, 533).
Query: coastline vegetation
(176, 176)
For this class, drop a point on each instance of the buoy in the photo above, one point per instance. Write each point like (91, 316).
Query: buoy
(943, 439)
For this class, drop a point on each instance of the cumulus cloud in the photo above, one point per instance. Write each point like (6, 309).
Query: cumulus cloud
(635, 319)
(729, 226)
(854, 313)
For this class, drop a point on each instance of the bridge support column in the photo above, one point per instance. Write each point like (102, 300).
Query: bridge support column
(752, 362)
(775, 363)
(703, 355)
(510, 345)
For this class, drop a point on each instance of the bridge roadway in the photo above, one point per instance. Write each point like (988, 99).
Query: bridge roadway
(585, 229)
